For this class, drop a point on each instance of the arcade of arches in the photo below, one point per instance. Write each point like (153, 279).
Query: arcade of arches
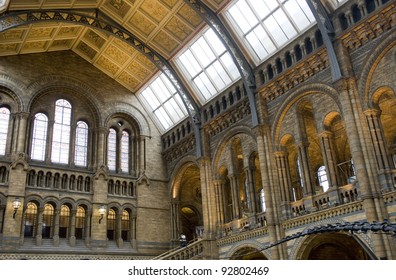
(94, 177)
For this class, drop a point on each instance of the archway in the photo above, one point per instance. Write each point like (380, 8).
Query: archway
(333, 246)
(248, 253)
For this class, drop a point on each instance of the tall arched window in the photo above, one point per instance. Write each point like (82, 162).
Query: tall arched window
(112, 149)
(111, 221)
(81, 146)
(262, 201)
(125, 225)
(322, 178)
(125, 152)
(30, 220)
(61, 132)
(64, 221)
(39, 139)
(48, 221)
(4, 120)
(80, 222)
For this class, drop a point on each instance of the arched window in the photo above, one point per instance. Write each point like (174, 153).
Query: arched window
(322, 177)
(4, 120)
(80, 222)
(48, 220)
(112, 149)
(262, 201)
(111, 220)
(39, 138)
(61, 132)
(125, 152)
(125, 226)
(30, 220)
(81, 146)
(64, 221)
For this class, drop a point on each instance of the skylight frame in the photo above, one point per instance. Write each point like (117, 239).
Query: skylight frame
(207, 78)
(157, 97)
(269, 43)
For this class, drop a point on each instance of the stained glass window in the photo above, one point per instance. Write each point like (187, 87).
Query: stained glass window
(125, 152)
(4, 120)
(81, 145)
(112, 149)
(39, 141)
(61, 132)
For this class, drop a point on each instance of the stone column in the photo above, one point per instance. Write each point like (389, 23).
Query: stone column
(175, 222)
(208, 208)
(250, 191)
(133, 232)
(87, 227)
(380, 148)
(235, 197)
(55, 237)
(21, 136)
(285, 184)
(364, 162)
(219, 201)
(308, 188)
(39, 235)
(142, 155)
(101, 147)
(118, 229)
(72, 235)
(272, 195)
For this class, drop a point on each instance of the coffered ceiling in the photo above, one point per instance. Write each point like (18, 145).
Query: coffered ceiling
(163, 25)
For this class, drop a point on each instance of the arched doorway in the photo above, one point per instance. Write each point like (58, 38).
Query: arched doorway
(248, 253)
(333, 246)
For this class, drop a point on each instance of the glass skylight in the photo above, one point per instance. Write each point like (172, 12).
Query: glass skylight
(208, 65)
(267, 25)
(162, 99)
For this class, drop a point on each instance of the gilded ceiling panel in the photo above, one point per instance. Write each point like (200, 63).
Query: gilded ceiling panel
(68, 31)
(190, 15)
(86, 50)
(41, 33)
(154, 9)
(142, 23)
(117, 55)
(12, 35)
(34, 46)
(145, 61)
(107, 65)
(119, 7)
(9, 49)
(128, 49)
(170, 3)
(178, 28)
(164, 40)
(127, 80)
(63, 44)
(138, 71)
(94, 38)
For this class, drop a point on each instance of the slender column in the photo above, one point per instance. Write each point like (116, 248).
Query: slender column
(284, 175)
(142, 154)
(305, 168)
(326, 143)
(72, 226)
(271, 196)
(39, 235)
(372, 116)
(118, 229)
(250, 191)
(175, 221)
(219, 206)
(87, 227)
(133, 232)
(101, 147)
(21, 137)
(235, 197)
(56, 228)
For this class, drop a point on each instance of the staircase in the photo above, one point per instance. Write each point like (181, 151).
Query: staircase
(193, 251)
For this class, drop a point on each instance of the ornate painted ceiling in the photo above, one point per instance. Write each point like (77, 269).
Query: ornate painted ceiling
(163, 25)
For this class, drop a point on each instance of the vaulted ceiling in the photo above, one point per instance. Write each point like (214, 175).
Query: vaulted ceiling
(163, 25)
